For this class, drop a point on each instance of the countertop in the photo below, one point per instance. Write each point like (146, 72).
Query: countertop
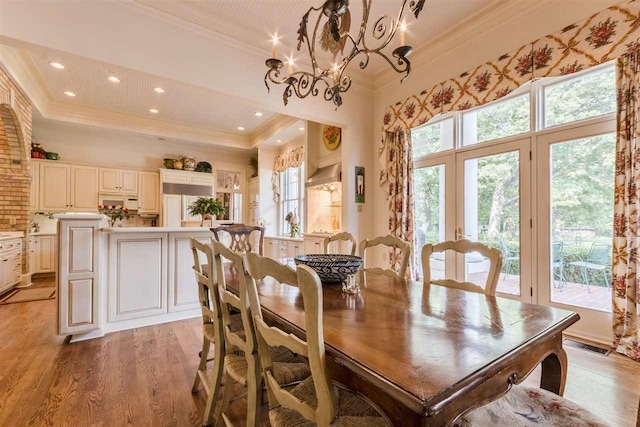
(8, 235)
(291, 239)
(154, 229)
(43, 233)
(320, 233)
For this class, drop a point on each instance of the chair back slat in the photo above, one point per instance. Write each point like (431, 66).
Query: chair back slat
(340, 237)
(464, 246)
(311, 290)
(205, 279)
(392, 242)
(241, 237)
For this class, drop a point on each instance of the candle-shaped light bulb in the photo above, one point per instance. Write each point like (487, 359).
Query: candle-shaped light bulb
(290, 62)
(403, 33)
(275, 46)
(335, 69)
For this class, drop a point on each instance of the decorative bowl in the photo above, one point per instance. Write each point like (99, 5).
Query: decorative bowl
(188, 163)
(168, 163)
(203, 167)
(331, 268)
(51, 156)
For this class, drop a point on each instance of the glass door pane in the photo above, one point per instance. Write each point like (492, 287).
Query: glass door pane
(581, 209)
(494, 192)
(429, 196)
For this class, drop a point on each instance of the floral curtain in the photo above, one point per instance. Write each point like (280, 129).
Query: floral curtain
(289, 159)
(600, 38)
(626, 263)
(397, 176)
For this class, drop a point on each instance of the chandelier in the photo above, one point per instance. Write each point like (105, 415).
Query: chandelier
(330, 33)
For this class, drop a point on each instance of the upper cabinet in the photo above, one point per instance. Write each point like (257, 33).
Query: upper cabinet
(118, 181)
(149, 195)
(229, 189)
(66, 188)
(34, 190)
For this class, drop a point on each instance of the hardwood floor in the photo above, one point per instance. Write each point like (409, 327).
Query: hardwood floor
(143, 376)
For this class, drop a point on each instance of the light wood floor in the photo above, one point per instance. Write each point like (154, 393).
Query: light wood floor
(143, 376)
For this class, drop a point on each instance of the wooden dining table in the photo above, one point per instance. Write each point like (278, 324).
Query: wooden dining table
(426, 354)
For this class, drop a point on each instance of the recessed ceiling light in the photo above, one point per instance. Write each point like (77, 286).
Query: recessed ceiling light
(240, 128)
(153, 110)
(69, 93)
(114, 79)
(301, 128)
(57, 65)
(162, 139)
(278, 141)
(257, 114)
(158, 90)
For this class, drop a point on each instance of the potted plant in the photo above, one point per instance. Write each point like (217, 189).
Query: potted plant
(114, 213)
(207, 208)
(294, 223)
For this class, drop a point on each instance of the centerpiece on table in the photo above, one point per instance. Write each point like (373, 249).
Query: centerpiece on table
(207, 207)
(294, 223)
(114, 213)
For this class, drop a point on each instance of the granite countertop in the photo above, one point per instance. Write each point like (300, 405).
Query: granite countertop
(8, 235)
(155, 229)
(291, 239)
(44, 233)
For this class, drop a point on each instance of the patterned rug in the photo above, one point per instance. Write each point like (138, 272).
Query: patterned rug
(24, 295)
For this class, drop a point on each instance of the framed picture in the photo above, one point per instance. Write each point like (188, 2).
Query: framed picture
(359, 184)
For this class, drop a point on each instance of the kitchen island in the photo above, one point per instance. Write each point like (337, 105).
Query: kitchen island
(111, 279)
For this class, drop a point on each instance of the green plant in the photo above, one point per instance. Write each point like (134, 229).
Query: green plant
(206, 207)
(253, 162)
(114, 213)
(294, 223)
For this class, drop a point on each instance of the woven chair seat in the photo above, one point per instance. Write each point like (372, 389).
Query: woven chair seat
(351, 409)
(528, 406)
(209, 330)
(288, 367)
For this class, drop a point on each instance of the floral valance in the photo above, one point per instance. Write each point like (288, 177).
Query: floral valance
(290, 159)
(596, 40)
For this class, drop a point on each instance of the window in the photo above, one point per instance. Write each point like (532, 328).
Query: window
(432, 138)
(497, 120)
(580, 97)
(291, 196)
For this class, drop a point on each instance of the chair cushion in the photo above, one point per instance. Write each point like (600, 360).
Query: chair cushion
(351, 410)
(529, 406)
(288, 367)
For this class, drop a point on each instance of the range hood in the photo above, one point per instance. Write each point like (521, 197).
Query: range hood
(325, 175)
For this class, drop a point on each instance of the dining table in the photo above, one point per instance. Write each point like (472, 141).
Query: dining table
(426, 354)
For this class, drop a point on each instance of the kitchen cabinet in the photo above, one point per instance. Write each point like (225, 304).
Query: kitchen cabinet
(149, 195)
(65, 188)
(313, 245)
(34, 171)
(294, 248)
(182, 285)
(171, 210)
(118, 181)
(10, 263)
(186, 202)
(187, 177)
(278, 248)
(44, 254)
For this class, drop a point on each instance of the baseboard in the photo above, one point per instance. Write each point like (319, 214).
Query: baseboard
(588, 339)
(87, 336)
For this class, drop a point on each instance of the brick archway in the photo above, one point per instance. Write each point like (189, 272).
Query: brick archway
(15, 179)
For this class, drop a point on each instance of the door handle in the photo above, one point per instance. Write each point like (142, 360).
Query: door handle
(459, 234)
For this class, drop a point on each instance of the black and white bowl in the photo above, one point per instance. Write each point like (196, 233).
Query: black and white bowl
(331, 268)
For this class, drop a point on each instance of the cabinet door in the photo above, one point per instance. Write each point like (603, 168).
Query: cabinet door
(45, 254)
(129, 182)
(313, 246)
(186, 202)
(271, 248)
(109, 180)
(293, 249)
(34, 202)
(171, 210)
(182, 286)
(32, 254)
(84, 189)
(149, 195)
(54, 187)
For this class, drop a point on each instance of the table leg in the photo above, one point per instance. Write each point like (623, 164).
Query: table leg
(554, 372)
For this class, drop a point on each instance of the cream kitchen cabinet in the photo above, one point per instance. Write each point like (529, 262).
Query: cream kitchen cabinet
(278, 248)
(313, 245)
(34, 192)
(118, 181)
(62, 187)
(10, 263)
(294, 248)
(149, 195)
(171, 210)
(44, 255)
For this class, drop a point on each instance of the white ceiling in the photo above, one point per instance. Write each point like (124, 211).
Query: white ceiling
(254, 22)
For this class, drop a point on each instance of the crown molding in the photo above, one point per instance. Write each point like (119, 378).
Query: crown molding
(494, 15)
(270, 128)
(20, 66)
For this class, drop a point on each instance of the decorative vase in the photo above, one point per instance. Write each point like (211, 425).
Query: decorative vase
(188, 163)
(177, 164)
(168, 163)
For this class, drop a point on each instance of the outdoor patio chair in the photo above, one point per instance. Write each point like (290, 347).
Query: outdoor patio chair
(509, 257)
(558, 264)
(596, 260)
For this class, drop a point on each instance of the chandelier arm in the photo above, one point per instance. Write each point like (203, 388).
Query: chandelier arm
(394, 23)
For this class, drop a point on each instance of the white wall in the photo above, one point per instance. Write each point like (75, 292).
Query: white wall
(487, 46)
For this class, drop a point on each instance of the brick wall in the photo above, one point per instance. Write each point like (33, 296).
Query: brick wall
(15, 146)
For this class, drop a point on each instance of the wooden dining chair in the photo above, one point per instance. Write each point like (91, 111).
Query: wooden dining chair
(241, 237)
(392, 242)
(464, 247)
(241, 360)
(339, 237)
(317, 399)
(211, 327)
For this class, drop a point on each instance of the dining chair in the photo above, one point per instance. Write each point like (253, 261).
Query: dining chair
(338, 237)
(464, 246)
(596, 260)
(524, 405)
(509, 256)
(241, 237)
(211, 327)
(241, 360)
(392, 242)
(317, 399)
